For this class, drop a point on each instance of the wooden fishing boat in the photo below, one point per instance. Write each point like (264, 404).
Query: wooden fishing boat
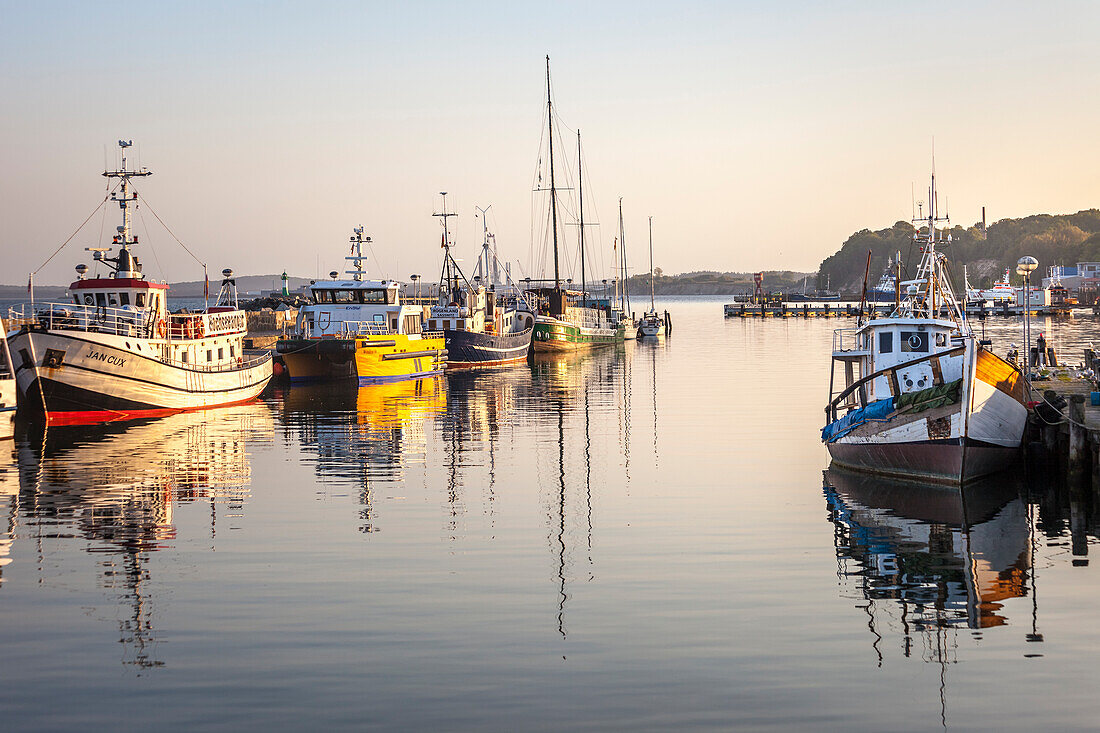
(921, 395)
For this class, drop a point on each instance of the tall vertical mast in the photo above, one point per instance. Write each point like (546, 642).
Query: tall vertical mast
(553, 191)
(448, 263)
(580, 197)
(652, 305)
(126, 267)
(622, 258)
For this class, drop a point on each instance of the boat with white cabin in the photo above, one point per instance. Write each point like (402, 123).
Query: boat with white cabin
(921, 395)
(114, 352)
(360, 329)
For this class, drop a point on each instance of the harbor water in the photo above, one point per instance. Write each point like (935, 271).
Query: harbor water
(632, 538)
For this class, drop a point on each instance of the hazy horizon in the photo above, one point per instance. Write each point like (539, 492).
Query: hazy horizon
(757, 137)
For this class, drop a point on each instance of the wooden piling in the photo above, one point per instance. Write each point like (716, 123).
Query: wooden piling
(1078, 440)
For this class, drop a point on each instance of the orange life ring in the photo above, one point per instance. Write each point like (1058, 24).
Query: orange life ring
(162, 328)
(240, 360)
(200, 327)
(188, 329)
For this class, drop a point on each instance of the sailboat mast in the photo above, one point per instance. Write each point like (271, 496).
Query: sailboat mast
(652, 305)
(580, 197)
(622, 259)
(553, 190)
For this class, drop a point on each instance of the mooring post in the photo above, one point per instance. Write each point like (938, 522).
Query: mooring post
(1078, 440)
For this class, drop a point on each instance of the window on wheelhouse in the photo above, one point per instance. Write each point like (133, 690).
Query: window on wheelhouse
(140, 300)
(376, 297)
(322, 296)
(112, 300)
(124, 298)
(343, 296)
(886, 342)
(101, 300)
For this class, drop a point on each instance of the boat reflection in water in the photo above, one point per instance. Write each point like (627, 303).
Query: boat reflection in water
(116, 487)
(364, 433)
(939, 556)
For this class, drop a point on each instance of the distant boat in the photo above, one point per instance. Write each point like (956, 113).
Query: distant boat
(624, 315)
(931, 401)
(653, 323)
(481, 327)
(114, 352)
(886, 289)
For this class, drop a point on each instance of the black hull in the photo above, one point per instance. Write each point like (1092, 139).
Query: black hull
(470, 348)
(938, 461)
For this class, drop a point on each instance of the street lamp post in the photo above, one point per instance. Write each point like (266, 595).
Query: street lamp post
(1025, 266)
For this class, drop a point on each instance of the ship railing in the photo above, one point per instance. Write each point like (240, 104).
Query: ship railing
(855, 394)
(122, 321)
(244, 361)
(343, 329)
(845, 339)
(127, 320)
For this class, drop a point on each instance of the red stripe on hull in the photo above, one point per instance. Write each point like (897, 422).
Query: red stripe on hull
(97, 417)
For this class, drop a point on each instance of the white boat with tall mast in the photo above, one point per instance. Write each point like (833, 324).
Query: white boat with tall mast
(562, 323)
(623, 315)
(115, 352)
(653, 323)
(929, 400)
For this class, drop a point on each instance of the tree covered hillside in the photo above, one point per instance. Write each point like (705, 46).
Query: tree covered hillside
(1052, 239)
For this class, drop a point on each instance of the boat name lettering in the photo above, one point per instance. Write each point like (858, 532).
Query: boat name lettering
(108, 358)
(234, 321)
(445, 312)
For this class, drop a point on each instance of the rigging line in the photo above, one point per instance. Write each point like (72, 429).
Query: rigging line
(101, 203)
(149, 241)
(173, 234)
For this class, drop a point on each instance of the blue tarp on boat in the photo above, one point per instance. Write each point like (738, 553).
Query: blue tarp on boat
(877, 410)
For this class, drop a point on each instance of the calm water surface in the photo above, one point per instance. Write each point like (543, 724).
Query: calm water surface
(628, 539)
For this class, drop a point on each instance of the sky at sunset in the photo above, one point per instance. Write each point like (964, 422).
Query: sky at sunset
(758, 135)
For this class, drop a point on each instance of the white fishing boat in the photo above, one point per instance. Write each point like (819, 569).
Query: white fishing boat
(115, 352)
(653, 323)
(360, 329)
(929, 400)
(8, 388)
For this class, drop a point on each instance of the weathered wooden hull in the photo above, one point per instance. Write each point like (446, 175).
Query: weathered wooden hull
(975, 436)
(552, 335)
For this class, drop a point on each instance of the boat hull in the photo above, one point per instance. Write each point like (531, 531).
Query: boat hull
(953, 461)
(954, 443)
(472, 349)
(85, 377)
(553, 335)
(373, 359)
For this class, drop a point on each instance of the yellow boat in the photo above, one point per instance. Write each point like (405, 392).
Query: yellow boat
(359, 329)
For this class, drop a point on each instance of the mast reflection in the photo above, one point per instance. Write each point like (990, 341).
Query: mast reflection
(115, 487)
(569, 390)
